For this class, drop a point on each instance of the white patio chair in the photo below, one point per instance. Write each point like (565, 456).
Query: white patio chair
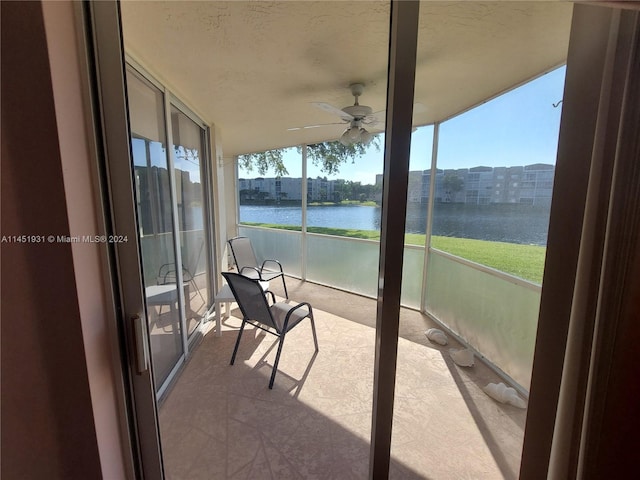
(167, 272)
(247, 264)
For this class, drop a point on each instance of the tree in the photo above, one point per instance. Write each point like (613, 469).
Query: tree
(262, 161)
(246, 194)
(452, 184)
(339, 190)
(263, 196)
(328, 155)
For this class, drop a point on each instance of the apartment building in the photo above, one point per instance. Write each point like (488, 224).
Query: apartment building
(285, 188)
(527, 185)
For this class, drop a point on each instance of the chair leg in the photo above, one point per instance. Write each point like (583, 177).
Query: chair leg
(275, 364)
(193, 282)
(235, 350)
(286, 294)
(313, 329)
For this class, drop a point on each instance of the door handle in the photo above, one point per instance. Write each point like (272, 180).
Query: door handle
(141, 344)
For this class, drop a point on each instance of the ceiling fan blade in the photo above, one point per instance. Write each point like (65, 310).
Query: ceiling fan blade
(313, 126)
(303, 128)
(375, 118)
(333, 110)
(371, 120)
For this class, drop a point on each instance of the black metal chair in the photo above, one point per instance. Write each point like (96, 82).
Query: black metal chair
(247, 264)
(277, 319)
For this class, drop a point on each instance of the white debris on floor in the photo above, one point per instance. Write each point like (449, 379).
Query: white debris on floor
(503, 394)
(436, 336)
(462, 357)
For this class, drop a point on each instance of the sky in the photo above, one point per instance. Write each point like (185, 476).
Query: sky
(158, 158)
(517, 128)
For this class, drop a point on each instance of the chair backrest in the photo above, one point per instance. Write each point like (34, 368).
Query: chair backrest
(243, 253)
(250, 298)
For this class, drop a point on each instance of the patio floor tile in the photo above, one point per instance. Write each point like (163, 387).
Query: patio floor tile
(222, 422)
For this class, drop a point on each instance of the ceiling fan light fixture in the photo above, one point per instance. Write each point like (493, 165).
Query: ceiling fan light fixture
(355, 115)
(365, 137)
(345, 139)
(354, 134)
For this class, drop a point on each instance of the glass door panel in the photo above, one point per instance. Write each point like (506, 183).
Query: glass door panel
(154, 208)
(297, 69)
(188, 152)
(464, 362)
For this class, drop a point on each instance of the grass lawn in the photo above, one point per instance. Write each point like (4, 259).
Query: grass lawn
(524, 261)
(366, 203)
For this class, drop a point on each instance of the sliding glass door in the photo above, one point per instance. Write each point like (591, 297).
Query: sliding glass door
(479, 194)
(172, 218)
(156, 229)
(189, 151)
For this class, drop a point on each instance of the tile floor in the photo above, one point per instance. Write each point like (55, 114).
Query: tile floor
(222, 422)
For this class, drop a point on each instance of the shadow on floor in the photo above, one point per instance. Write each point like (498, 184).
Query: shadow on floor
(222, 421)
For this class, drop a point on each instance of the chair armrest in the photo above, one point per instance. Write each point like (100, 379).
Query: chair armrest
(273, 297)
(301, 304)
(169, 269)
(272, 261)
(187, 276)
(251, 268)
(293, 309)
(165, 270)
(165, 266)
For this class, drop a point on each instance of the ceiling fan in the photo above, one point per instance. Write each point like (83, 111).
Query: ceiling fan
(356, 116)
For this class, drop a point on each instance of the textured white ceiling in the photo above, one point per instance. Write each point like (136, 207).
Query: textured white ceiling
(253, 68)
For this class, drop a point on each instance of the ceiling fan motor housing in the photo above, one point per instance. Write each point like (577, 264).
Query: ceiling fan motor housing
(357, 89)
(358, 111)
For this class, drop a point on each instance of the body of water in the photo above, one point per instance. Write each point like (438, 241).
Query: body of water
(344, 216)
(522, 224)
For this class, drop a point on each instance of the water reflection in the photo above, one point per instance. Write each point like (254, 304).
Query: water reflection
(512, 223)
